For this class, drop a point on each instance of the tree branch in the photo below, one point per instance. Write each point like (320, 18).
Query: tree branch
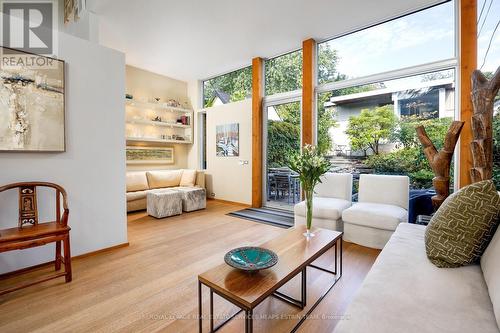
(429, 149)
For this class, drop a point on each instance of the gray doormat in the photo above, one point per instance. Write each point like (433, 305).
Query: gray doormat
(275, 217)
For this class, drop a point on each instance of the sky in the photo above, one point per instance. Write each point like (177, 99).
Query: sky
(493, 59)
(415, 39)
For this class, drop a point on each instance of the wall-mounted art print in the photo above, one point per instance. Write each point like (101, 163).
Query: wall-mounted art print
(150, 155)
(228, 140)
(31, 102)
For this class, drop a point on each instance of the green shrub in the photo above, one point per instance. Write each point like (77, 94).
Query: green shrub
(283, 141)
(405, 161)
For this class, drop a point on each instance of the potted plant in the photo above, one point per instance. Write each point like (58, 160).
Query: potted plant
(310, 165)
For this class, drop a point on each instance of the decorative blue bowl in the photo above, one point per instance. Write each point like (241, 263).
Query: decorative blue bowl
(251, 258)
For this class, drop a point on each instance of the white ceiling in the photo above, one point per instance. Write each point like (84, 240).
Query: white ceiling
(196, 39)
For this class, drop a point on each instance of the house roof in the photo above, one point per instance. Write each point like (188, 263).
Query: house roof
(223, 96)
(420, 86)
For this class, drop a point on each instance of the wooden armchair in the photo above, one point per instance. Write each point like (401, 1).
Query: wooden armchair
(31, 233)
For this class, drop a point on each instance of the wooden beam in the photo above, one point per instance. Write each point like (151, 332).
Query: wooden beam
(257, 95)
(468, 62)
(308, 85)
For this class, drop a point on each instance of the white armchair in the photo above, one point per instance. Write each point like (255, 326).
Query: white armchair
(382, 205)
(330, 199)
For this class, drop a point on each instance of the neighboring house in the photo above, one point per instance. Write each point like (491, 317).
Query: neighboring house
(424, 99)
(221, 98)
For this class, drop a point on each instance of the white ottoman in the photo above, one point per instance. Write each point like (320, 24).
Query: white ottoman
(193, 198)
(164, 203)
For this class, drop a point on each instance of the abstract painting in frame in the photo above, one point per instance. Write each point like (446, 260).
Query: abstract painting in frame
(150, 155)
(228, 140)
(31, 102)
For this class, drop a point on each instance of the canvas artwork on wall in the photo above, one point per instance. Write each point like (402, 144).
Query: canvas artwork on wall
(150, 155)
(31, 104)
(228, 140)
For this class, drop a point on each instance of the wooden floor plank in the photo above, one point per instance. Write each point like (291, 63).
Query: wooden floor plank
(151, 285)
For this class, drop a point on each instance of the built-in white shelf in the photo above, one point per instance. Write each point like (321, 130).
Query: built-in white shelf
(155, 106)
(157, 123)
(156, 140)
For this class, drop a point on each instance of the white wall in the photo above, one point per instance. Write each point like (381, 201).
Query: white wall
(145, 85)
(226, 177)
(93, 167)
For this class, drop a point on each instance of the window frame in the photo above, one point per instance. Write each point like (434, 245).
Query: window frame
(424, 68)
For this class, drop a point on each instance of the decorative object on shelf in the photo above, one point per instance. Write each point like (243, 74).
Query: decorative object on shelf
(157, 99)
(483, 98)
(32, 106)
(227, 140)
(440, 161)
(150, 155)
(250, 258)
(173, 103)
(310, 165)
(157, 118)
(128, 96)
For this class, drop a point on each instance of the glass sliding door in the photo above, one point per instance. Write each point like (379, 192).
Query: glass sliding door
(283, 139)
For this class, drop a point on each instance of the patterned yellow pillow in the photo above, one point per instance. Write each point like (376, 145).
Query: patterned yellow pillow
(461, 229)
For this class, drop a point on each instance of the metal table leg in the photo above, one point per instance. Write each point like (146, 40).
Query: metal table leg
(248, 321)
(200, 329)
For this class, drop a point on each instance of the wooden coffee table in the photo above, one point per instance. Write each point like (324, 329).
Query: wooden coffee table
(247, 290)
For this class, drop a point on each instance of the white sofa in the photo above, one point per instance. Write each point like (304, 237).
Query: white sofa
(139, 183)
(382, 205)
(405, 292)
(331, 198)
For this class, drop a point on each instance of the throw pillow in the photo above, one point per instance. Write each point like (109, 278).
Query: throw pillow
(188, 178)
(461, 229)
(164, 178)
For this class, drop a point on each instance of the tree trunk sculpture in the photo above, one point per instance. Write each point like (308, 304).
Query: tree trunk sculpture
(440, 161)
(483, 97)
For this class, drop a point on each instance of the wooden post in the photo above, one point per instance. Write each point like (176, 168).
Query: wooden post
(468, 63)
(308, 84)
(257, 118)
(440, 161)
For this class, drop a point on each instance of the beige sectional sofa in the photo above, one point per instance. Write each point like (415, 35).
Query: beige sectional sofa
(140, 182)
(405, 292)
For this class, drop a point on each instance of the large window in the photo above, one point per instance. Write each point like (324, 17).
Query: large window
(422, 37)
(377, 85)
(283, 77)
(227, 88)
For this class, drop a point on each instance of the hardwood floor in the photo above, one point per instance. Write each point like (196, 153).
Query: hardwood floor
(151, 285)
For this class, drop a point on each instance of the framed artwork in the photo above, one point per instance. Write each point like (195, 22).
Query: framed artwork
(150, 155)
(31, 103)
(228, 140)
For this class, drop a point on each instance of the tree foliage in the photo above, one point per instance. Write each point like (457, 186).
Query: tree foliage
(371, 127)
(237, 84)
(405, 134)
(409, 159)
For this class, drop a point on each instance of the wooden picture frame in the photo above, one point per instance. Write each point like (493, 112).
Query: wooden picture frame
(150, 155)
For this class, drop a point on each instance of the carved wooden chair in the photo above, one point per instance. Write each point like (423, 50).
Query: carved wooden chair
(30, 233)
